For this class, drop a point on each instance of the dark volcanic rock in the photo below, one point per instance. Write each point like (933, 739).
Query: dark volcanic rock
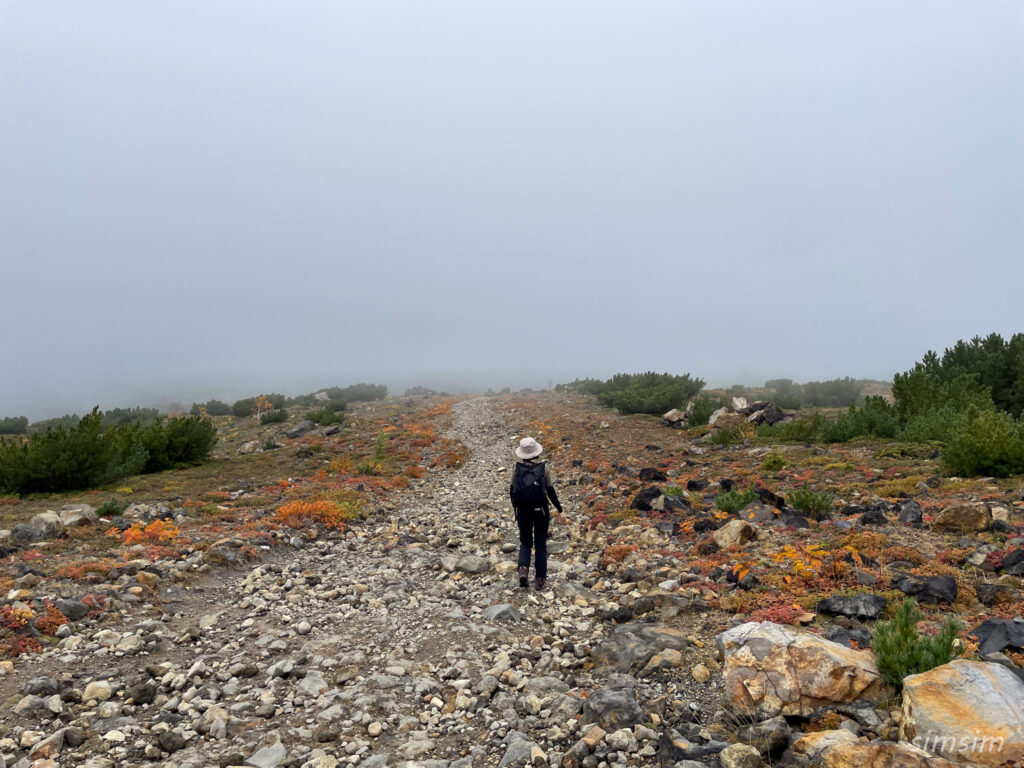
(934, 589)
(874, 517)
(843, 636)
(642, 501)
(996, 634)
(862, 606)
(652, 475)
(911, 513)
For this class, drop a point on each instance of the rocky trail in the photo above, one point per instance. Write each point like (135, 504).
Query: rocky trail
(672, 631)
(407, 641)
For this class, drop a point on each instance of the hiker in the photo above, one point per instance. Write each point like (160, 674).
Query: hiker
(533, 485)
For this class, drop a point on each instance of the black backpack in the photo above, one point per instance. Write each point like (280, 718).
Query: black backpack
(528, 487)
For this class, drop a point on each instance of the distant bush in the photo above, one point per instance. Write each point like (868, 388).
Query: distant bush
(901, 650)
(703, 407)
(331, 412)
(247, 405)
(817, 506)
(85, 455)
(648, 392)
(212, 408)
(111, 508)
(67, 421)
(735, 500)
(773, 462)
(876, 418)
(357, 393)
(673, 490)
(274, 417)
(13, 425)
(117, 417)
(835, 393)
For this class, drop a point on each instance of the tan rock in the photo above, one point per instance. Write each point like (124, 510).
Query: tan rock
(963, 518)
(147, 579)
(700, 673)
(967, 711)
(770, 670)
(593, 737)
(734, 533)
(662, 661)
(842, 749)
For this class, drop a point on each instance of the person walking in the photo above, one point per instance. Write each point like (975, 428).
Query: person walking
(532, 487)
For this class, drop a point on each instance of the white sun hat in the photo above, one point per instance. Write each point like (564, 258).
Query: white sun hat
(528, 448)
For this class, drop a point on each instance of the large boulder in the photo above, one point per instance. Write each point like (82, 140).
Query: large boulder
(862, 606)
(77, 515)
(674, 418)
(718, 414)
(612, 709)
(631, 646)
(771, 670)
(966, 711)
(963, 518)
(734, 533)
(996, 634)
(842, 749)
(49, 523)
(300, 429)
(26, 534)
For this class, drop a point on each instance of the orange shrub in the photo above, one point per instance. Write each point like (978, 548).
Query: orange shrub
(50, 620)
(157, 531)
(329, 514)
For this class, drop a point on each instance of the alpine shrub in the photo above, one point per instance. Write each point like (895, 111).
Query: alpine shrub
(901, 650)
(13, 425)
(86, 455)
(735, 500)
(649, 392)
(991, 443)
(274, 417)
(817, 506)
(703, 407)
(212, 408)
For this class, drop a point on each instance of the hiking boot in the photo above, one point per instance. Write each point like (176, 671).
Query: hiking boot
(524, 577)
(539, 583)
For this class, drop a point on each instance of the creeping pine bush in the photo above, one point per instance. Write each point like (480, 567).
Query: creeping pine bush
(212, 408)
(86, 455)
(648, 392)
(901, 650)
(274, 417)
(13, 425)
(703, 407)
(817, 506)
(735, 500)
(331, 412)
(991, 443)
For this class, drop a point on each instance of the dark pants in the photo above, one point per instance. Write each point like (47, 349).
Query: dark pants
(533, 534)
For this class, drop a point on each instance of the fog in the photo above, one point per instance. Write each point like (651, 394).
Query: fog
(211, 199)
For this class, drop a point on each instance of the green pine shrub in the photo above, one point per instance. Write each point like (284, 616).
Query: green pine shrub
(815, 505)
(703, 407)
(111, 508)
(773, 462)
(13, 425)
(212, 408)
(86, 455)
(901, 650)
(990, 443)
(274, 417)
(735, 500)
(650, 392)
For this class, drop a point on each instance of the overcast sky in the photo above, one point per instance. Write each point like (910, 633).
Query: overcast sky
(203, 198)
